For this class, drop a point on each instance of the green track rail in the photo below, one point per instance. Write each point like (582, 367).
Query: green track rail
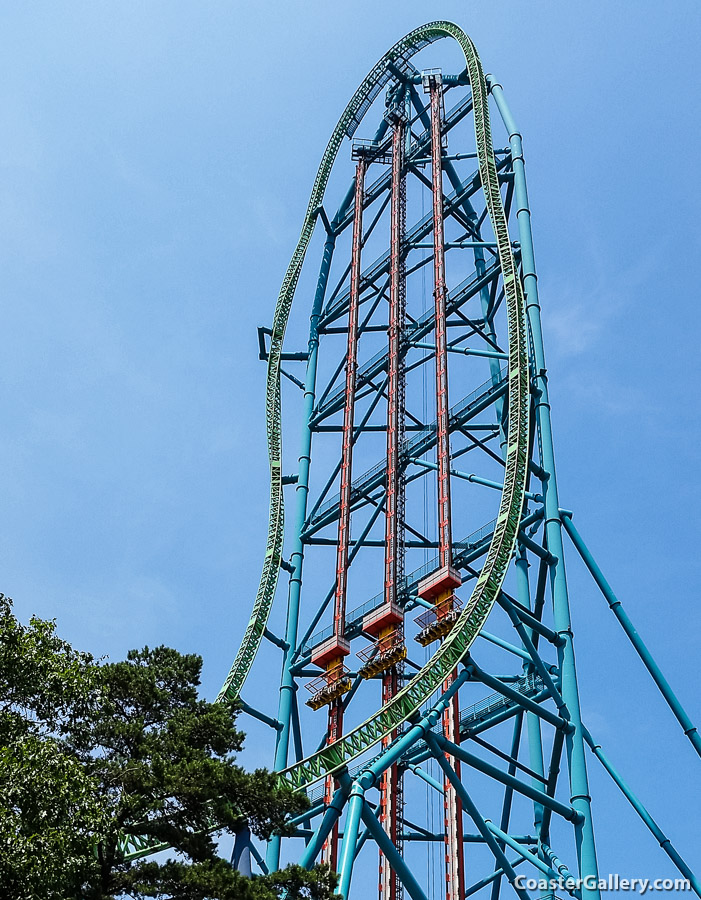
(456, 646)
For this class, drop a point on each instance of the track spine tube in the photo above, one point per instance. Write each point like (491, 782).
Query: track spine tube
(579, 783)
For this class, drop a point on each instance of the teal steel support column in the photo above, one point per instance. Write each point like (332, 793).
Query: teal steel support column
(508, 794)
(377, 832)
(330, 817)
(365, 834)
(350, 838)
(660, 836)
(579, 782)
(287, 684)
(473, 812)
(476, 762)
(614, 603)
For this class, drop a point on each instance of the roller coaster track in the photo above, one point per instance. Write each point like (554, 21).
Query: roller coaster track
(457, 644)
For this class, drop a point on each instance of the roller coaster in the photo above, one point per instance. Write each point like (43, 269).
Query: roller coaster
(420, 718)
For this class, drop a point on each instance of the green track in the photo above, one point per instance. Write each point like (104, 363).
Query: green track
(455, 647)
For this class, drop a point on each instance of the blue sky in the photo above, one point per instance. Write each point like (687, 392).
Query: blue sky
(155, 163)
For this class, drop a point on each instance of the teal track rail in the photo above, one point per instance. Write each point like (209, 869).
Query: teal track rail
(456, 646)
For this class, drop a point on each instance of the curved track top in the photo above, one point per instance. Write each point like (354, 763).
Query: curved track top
(456, 646)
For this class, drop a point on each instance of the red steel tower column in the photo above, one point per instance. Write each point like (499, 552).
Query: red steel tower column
(390, 799)
(339, 616)
(454, 855)
(440, 585)
(396, 388)
(392, 632)
(442, 434)
(329, 852)
(331, 653)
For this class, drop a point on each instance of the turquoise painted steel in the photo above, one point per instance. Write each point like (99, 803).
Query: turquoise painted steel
(555, 861)
(408, 700)
(490, 879)
(535, 737)
(329, 819)
(579, 782)
(436, 785)
(287, 684)
(505, 645)
(413, 888)
(528, 857)
(473, 812)
(652, 825)
(476, 762)
(508, 800)
(475, 479)
(516, 402)
(543, 695)
(556, 721)
(641, 649)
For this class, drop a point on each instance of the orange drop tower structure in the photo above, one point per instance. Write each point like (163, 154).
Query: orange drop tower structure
(330, 654)
(438, 588)
(386, 623)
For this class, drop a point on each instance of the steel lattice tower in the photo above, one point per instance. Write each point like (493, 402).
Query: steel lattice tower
(488, 718)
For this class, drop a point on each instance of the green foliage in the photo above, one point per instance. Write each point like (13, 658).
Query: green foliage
(215, 878)
(49, 805)
(93, 752)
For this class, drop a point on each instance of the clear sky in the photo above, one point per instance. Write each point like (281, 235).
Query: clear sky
(155, 163)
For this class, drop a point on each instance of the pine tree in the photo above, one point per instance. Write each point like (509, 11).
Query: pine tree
(91, 752)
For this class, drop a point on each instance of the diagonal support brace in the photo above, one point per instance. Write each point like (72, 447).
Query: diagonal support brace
(473, 812)
(567, 812)
(641, 649)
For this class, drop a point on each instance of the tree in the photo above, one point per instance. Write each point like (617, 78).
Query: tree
(49, 805)
(96, 751)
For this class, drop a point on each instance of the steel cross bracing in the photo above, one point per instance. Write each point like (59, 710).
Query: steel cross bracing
(422, 293)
